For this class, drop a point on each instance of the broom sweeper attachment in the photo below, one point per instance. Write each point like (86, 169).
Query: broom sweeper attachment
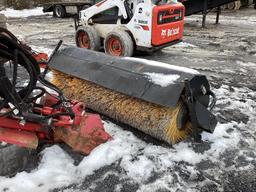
(164, 101)
(29, 114)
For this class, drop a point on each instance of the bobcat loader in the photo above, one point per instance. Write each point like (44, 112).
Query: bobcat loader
(123, 26)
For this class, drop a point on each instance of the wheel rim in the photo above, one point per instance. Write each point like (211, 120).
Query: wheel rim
(84, 40)
(114, 46)
(237, 5)
(58, 11)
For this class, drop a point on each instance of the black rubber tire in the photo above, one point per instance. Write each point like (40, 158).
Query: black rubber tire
(234, 5)
(13, 159)
(59, 11)
(125, 40)
(93, 35)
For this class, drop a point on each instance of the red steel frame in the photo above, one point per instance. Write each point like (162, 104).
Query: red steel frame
(83, 133)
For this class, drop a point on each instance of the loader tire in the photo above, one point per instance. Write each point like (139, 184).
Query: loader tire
(13, 159)
(119, 43)
(234, 5)
(59, 11)
(87, 37)
(237, 5)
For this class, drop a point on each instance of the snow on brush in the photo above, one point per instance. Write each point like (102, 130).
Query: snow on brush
(162, 79)
(10, 12)
(141, 160)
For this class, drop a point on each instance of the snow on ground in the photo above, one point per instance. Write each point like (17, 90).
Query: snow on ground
(246, 64)
(184, 45)
(162, 79)
(139, 159)
(3, 143)
(10, 12)
(222, 162)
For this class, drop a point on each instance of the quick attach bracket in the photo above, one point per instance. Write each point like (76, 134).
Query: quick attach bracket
(192, 114)
(201, 118)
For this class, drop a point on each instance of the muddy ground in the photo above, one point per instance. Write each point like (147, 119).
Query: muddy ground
(226, 53)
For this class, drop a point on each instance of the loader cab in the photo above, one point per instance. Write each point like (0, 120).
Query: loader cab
(110, 16)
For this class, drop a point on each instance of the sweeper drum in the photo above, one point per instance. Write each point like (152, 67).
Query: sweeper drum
(128, 90)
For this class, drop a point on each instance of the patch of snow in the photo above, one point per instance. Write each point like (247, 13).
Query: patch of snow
(246, 64)
(123, 143)
(139, 168)
(186, 154)
(3, 143)
(183, 45)
(221, 140)
(228, 135)
(163, 65)
(162, 79)
(141, 160)
(56, 169)
(162, 183)
(10, 12)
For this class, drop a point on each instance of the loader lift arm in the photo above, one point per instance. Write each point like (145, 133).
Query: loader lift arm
(103, 6)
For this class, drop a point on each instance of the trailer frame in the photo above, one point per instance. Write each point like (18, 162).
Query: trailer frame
(60, 9)
(205, 6)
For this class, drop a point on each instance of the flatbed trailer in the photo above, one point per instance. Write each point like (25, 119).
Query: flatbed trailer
(63, 9)
(204, 6)
(197, 6)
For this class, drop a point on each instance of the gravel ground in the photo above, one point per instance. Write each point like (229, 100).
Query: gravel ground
(226, 53)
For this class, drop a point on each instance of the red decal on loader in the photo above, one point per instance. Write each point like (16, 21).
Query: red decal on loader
(100, 3)
(145, 27)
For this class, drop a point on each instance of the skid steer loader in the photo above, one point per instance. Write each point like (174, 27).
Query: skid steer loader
(124, 26)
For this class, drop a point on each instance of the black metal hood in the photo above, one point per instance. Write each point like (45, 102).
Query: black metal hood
(126, 75)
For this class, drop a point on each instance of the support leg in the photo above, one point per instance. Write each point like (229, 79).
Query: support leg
(204, 12)
(218, 15)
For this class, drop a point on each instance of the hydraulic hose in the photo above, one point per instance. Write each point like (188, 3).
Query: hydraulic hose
(17, 53)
